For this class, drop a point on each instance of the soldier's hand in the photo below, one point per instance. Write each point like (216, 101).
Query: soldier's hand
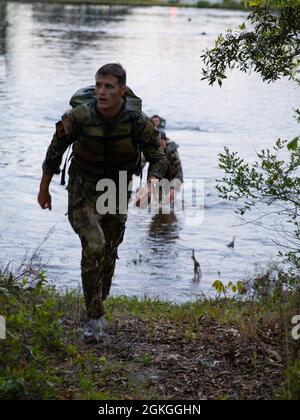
(144, 194)
(142, 197)
(170, 198)
(44, 199)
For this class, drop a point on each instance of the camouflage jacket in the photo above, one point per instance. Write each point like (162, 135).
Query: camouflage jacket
(174, 163)
(84, 128)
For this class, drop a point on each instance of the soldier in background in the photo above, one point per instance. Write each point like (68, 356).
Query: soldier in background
(170, 149)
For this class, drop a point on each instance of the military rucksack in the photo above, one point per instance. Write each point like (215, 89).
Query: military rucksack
(133, 102)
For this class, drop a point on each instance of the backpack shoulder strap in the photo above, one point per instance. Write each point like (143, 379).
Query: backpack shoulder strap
(134, 118)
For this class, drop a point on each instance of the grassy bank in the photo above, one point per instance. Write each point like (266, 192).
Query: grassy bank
(214, 349)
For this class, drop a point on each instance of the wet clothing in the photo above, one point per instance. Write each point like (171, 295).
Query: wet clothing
(174, 163)
(100, 151)
(100, 236)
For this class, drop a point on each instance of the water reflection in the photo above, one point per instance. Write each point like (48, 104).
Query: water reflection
(164, 227)
(164, 232)
(63, 29)
(83, 15)
(2, 27)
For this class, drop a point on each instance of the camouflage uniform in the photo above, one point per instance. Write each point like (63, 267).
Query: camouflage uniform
(174, 163)
(100, 151)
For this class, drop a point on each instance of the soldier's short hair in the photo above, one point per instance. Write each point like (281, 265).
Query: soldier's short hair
(113, 69)
(155, 116)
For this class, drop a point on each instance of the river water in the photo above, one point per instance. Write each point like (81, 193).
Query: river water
(49, 51)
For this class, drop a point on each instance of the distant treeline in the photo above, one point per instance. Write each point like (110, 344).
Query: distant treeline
(219, 4)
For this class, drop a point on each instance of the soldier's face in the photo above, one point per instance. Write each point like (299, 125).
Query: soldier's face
(156, 122)
(109, 93)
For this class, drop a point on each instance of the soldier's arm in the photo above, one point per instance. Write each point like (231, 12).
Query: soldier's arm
(176, 173)
(175, 165)
(61, 140)
(149, 141)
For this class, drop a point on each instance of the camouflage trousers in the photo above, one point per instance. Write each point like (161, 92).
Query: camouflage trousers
(100, 237)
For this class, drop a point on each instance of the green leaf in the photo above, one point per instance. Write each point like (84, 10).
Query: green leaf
(241, 287)
(293, 145)
(219, 286)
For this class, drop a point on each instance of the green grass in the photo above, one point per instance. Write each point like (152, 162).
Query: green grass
(43, 356)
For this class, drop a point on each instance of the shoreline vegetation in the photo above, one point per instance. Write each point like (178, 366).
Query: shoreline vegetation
(221, 348)
(221, 4)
